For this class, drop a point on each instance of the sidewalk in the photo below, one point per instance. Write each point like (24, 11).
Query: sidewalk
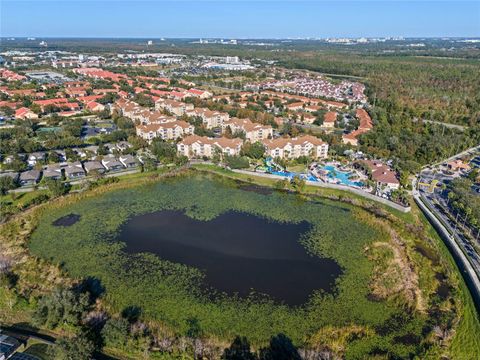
(334, 186)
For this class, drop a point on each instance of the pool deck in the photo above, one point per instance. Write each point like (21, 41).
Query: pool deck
(332, 186)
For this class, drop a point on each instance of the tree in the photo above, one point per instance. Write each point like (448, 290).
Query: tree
(124, 123)
(8, 111)
(75, 348)
(63, 305)
(6, 183)
(163, 150)
(53, 157)
(280, 348)
(57, 187)
(102, 150)
(116, 332)
(143, 100)
(35, 108)
(298, 183)
(194, 332)
(281, 184)
(236, 162)
(239, 350)
(254, 151)
(149, 164)
(71, 155)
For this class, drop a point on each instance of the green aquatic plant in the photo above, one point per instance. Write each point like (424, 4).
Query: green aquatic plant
(169, 293)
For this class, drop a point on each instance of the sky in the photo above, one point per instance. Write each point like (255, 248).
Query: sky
(239, 19)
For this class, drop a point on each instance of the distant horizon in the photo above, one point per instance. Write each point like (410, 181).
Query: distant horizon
(235, 19)
(237, 38)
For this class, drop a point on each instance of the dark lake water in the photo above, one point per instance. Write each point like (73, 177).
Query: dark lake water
(238, 252)
(67, 220)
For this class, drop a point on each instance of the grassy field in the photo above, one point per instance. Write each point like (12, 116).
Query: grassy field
(37, 349)
(343, 232)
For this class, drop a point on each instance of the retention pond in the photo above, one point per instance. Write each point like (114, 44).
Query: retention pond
(239, 253)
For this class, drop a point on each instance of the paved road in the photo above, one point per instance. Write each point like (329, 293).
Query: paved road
(447, 125)
(470, 151)
(438, 205)
(46, 339)
(453, 243)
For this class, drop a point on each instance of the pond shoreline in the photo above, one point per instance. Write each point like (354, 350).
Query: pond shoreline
(153, 180)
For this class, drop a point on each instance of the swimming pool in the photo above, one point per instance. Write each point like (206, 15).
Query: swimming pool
(344, 177)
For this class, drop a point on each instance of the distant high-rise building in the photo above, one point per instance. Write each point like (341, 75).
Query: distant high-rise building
(231, 59)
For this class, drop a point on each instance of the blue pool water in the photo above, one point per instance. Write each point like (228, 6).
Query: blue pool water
(344, 177)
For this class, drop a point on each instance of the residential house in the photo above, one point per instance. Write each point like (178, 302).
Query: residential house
(201, 94)
(312, 108)
(352, 138)
(365, 120)
(75, 92)
(11, 174)
(308, 118)
(52, 171)
(92, 167)
(366, 124)
(35, 158)
(94, 106)
(74, 170)
(329, 119)
(29, 178)
(25, 113)
(292, 148)
(123, 145)
(89, 151)
(128, 161)
(62, 103)
(111, 163)
(296, 106)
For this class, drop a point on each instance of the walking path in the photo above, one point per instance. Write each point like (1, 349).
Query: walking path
(333, 186)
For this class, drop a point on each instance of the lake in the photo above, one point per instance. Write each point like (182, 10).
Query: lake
(238, 252)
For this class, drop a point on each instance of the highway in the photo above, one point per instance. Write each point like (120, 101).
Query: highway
(466, 251)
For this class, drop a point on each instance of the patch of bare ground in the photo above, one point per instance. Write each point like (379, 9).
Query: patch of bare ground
(35, 276)
(333, 341)
(394, 272)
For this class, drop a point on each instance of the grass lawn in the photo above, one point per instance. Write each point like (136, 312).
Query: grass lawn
(21, 198)
(310, 190)
(38, 349)
(297, 168)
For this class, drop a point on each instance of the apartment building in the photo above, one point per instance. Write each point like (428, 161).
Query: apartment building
(202, 146)
(166, 131)
(253, 131)
(211, 119)
(177, 108)
(292, 148)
